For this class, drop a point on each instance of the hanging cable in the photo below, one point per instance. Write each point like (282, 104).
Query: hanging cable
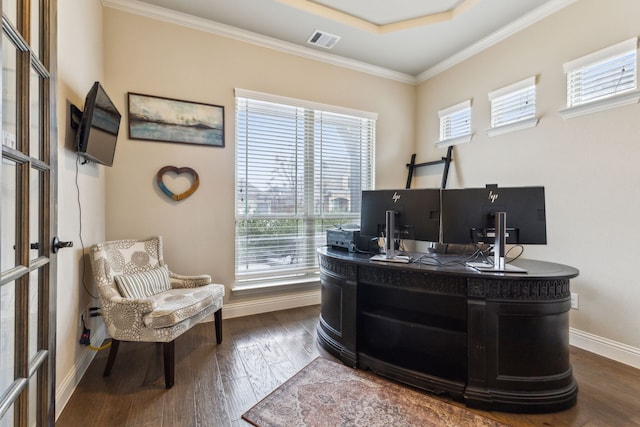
(84, 285)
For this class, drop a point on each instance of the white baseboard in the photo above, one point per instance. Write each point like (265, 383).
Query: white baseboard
(605, 347)
(67, 386)
(265, 305)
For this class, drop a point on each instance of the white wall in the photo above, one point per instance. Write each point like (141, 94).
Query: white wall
(588, 165)
(79, 65)
(148, 56)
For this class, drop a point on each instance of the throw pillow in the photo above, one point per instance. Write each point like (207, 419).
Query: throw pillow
(144, 284)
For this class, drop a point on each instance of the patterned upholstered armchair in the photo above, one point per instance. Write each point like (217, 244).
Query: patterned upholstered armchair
(142, 300)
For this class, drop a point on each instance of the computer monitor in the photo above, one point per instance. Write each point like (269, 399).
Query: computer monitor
(510, 215)
(416, 213)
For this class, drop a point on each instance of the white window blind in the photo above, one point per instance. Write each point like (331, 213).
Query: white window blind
(300, 169)
(455, 123)
(603, 74)
(513, 103)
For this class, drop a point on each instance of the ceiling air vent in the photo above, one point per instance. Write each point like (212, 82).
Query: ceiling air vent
(322, 39)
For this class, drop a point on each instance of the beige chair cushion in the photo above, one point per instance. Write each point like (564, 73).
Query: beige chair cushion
(144, 284)
(175, 305)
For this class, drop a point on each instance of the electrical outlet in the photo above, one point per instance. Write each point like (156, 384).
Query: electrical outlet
(574, 301)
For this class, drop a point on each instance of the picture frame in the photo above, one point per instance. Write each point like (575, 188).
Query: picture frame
(155, 118)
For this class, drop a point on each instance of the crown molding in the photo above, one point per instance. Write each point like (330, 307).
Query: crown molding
(223, 30)
(516, 26)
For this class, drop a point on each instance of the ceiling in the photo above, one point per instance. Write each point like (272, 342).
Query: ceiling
(407, 38)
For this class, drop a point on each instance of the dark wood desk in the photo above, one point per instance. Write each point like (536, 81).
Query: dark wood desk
(495, 341)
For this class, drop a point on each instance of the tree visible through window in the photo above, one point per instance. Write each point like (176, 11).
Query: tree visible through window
(300, 169)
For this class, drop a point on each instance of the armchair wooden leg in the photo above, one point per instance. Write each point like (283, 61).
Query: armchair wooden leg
(113, 352)
(217, 317)
(169, 350)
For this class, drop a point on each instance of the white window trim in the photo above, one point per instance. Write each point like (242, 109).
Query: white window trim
(615, 101)
(454, 141)
(295, 102)
(520, 124)
(454, 108)
(513, 127)
(522, 84)
(601, 55)
(267, 284)
(442, 143)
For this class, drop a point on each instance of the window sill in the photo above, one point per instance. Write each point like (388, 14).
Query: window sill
(601, 105)
(271, 285)
(513, 127)
(454, 141)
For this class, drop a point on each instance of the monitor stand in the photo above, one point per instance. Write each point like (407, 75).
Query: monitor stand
(389, 254)
(389, 230)
(499, 265)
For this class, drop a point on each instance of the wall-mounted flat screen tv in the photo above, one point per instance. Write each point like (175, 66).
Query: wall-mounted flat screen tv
(97, 129)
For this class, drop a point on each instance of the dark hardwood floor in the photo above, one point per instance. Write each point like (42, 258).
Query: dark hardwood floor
(216, 384)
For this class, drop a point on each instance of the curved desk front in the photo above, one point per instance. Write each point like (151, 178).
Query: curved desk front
(493, 340)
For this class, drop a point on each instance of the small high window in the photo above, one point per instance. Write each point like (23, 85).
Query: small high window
(513, 107)
(603, 79)
(455, 124)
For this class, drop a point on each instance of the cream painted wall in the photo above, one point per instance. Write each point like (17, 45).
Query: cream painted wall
(147, 56)
(587, 164)
(79, 65)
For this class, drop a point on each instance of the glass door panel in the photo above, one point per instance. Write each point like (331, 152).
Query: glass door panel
(33, 400)
(7, 420)
(35, 116)
(7, 335)
(10, 9)
(9, 90)
(35, 216)
(33, 313)
(8, 189)
(35, 27)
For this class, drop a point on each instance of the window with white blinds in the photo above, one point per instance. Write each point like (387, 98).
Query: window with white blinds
(455, 124)
(300, 169)
(610, 73)
(513, 107)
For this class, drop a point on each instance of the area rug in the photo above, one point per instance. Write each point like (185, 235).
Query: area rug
(328, 394)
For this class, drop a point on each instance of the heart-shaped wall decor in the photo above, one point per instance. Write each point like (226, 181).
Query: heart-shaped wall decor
(178, 171)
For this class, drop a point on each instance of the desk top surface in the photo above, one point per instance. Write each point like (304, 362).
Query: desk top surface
(455, 265)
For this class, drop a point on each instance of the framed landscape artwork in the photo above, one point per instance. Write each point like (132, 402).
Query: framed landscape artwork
(154, 118)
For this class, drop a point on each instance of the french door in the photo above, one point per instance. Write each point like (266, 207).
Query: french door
(27, 214)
